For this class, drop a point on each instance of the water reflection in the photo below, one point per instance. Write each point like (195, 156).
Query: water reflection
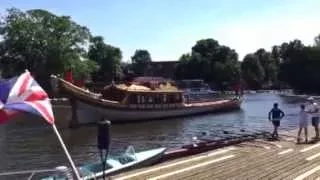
(30, 143)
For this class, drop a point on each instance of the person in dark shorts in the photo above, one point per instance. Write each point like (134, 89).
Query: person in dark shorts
(275, 115)
(313, 111)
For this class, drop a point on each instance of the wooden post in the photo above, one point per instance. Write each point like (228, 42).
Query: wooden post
(74, 117)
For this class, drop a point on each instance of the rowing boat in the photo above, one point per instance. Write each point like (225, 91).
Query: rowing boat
(127, 161)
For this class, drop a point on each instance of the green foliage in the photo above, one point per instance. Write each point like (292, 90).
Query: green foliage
(42, 42)
(183, 71)
(292, 63)
(210, 61)
(84, 68)
(300, 66)
(270, 64)
(140, 61)
(317, 41)
(252, 71)
(48, 44)
(292, 54)
(107, 57)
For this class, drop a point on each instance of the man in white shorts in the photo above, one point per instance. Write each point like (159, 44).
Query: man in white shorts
(313, 111)
(303, 123)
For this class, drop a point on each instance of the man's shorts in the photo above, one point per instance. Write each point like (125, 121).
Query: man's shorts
(276, 123)
(315, 121)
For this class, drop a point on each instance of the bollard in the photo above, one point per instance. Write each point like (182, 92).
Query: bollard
(103, 139)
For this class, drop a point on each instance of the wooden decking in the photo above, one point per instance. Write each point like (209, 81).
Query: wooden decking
(260, 159)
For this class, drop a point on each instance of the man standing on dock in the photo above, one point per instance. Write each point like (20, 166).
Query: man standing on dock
(313, 111)
(275, 115)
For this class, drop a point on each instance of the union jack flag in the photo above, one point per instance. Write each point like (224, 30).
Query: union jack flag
(23, 94)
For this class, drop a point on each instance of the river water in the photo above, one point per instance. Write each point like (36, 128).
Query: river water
(31, 143)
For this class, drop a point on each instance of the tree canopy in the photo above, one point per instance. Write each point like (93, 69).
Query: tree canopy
(140, 61)
(261, 68)
(46, 44)
(42, 42)
(252, 71)
(215, 63)
(300, 66)
(317, 41)
(291, 63)
(107, 56)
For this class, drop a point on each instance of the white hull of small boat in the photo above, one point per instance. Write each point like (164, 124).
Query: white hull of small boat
(141, 159)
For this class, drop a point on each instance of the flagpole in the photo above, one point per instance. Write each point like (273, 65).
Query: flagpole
(66, 151)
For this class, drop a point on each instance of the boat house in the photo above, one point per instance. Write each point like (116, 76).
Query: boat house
(138, 96)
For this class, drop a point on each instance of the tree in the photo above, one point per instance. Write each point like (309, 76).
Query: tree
(42, 42)
(317, 41)
(182, 70)
(270, 64)
(84, 68)
(107, 57)
(292, 54)
(127, 73)
(276, 53)
(140, 61)
(252, 71)
(212, 62)
(300, 66)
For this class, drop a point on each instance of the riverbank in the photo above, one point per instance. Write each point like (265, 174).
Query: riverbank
(302, 96)
(258, 159)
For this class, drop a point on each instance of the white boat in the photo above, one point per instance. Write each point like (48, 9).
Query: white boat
(128, 161)
(121, 103)
(196, 90)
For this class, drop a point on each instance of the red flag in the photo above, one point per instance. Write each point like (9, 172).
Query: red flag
(68, 76)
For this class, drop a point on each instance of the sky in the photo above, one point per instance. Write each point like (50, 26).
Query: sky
(169, 28)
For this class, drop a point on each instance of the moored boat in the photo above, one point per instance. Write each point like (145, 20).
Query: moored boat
(201, 147)
(128, 161)
(204, 145)
(120, 103)
(195, 90)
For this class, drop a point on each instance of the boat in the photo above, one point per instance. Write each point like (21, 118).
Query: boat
(123, 103)
(204, 145)
(128, 161)
(196, 90)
